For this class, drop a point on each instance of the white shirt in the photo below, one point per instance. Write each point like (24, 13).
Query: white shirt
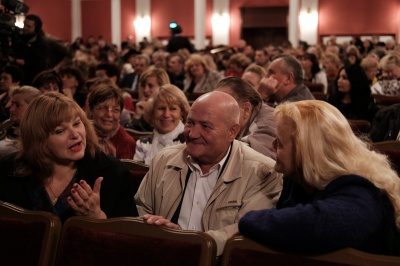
(198, 190)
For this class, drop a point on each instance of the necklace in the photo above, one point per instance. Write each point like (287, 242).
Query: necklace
(55, 197)
(54, 194)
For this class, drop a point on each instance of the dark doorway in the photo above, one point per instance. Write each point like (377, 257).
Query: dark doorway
(264, 25)
(260, 37)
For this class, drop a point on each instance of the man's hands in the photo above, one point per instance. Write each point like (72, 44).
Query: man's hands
(159, 220)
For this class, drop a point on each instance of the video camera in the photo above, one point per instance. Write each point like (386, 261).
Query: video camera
(8, 30)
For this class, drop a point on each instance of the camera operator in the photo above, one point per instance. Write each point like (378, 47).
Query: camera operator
(31, 50)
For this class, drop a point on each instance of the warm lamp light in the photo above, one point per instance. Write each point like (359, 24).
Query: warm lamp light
(220, 20)
(308, 19)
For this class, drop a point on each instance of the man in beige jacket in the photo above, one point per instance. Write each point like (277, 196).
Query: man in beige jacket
(210, 182)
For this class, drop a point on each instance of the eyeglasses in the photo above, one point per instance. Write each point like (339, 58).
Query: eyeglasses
(105, 109)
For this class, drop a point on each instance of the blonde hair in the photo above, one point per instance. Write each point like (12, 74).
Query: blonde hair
(42, 116)
(195, 59)
(160, 74)
(326, 148)
(171, 95)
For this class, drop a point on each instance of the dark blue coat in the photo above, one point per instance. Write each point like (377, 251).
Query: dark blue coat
(349, 212)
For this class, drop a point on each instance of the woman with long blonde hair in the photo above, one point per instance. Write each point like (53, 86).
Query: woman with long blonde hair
(337, 193)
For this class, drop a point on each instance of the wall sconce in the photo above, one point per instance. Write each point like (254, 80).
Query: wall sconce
(19, 20)
(142, 27)
(308, 19)
(220, 20)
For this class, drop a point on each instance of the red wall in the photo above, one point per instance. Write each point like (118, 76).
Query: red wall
(96, 18)
(55, 23)
(340, 17)
(345, 17)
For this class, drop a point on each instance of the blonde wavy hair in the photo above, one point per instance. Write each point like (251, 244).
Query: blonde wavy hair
(326, 148)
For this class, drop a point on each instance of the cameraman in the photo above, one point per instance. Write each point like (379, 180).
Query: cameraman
(31, 50)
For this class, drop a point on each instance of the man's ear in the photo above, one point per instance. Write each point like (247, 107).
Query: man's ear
(235, 129)
(247, 109)
(290, 78)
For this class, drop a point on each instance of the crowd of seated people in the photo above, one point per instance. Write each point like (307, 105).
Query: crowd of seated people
(71, 135)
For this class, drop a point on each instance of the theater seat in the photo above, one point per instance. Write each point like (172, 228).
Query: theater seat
(360, 127)
(27, 237)
(130, 241)
(391, 148)
(386, 100)
(137, 169)
(135, 134)
(243, 251)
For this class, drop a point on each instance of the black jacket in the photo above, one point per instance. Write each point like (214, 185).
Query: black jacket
(116, 194)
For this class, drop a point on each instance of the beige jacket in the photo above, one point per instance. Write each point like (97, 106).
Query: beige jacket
(248, 182)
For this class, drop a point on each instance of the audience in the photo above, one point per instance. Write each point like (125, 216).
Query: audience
(284, 81)
(337, 193)
(353, 94)
(167, 110)
(210, 182)
(73, 84)
(20, 99)
(199, 78)
(312, 71)
(60, 168)
(106, 104)
(257, 125)
(48, 80)
(390, 65)
(131, 81)
(253, 75)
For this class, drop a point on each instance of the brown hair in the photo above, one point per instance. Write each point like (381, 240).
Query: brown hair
(42, 116)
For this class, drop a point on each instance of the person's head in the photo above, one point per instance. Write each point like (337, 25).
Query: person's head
(353, 80)
(48, 80)
(261, 57)
(377, 53)
(20, 99)
(390, 65)
(331, 63)
(211, 126)
(353, 55)
(310, 63)
(150, 80)
(54, 130)
(196, 66)
(159, 59)
(253, 75)
(142, 63)
(315, 145)
(33, 25)
(176, 63)
(288, 71)
(248, 99)
(10, 75)
(238, 63)
(167, 106)
(105, 104)
(72, 78)
(109, 70)
(370, 66)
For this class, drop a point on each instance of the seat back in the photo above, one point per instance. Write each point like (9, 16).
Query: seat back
(27, 237)
(130, 241)
(314, 87)
(360, 127)
(137, 169)
(386, 100)
(391, 148)
(243, 251)
(137, 134)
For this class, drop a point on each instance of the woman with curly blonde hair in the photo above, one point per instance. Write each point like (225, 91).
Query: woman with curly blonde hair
(337, 193)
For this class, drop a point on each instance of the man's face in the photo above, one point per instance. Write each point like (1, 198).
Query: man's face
(174, 66)
(275, 72)
(29, 27)
(260, 58)
(140, 65)
(207, 134)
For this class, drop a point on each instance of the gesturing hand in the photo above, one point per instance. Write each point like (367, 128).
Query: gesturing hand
(159, 220)
(85, 201)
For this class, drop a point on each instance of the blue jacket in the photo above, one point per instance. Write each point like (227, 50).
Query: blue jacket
(349, 212)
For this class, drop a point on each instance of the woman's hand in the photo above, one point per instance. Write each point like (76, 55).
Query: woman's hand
(85, 201)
